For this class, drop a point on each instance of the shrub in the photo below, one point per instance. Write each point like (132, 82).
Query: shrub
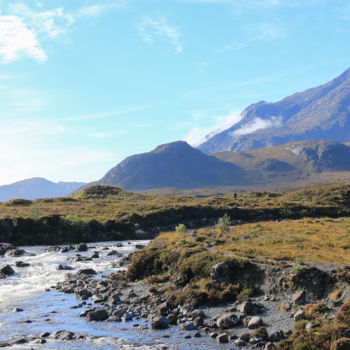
(181, 228)
(223, 225)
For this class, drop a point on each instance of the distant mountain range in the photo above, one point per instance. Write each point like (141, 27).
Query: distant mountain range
(321, 113)
(37, 187)
(178, 165)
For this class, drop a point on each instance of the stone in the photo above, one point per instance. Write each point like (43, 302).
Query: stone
(240, 343)
(222, 338)
(62, 335)
(82, 247)
(226, 321)
(246, 307)
(21, 264)
(128, 316)
(244, 336)
(15, 252)
(87, 272)
(113, 299)
(269, 346)
(64, 267)
(97, 315)
(7, 270)
(189, 326)
(346, 333)
(299, 315)
(276, 336)
(255, 322)
(299, 298)
(220, 272)
(310, 325)
(17, 309)
(197, 335)
(160, 323)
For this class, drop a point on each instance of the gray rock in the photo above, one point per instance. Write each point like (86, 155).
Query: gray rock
(188, 326)
(21, 264)
(97, 315)
(87, 272)
(15, 252)
(160, 323)
(128, 316)
(220, 272)
(227, 321)
(82, 247)
(17, 309)
(299, 315)
(240, 343)
(62, 335)
(7, 270)
(222, 338)
(269, 346)
(299, 298)
(276, 336)
(255, 322)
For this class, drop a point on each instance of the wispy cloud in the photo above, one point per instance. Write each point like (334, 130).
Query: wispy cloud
(24, 30)
(254, 33)
(102, 115)
(257, 124)
(199, 134)
(151, 28)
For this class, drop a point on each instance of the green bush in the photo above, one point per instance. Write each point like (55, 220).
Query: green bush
(181, 228)
(223, 225)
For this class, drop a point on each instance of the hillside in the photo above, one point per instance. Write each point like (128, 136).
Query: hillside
(321, 113)
(37, 187)
(176, 165)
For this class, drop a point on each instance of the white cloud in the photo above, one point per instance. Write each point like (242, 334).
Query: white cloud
(150, 29)
(257, 124)
(17, 40)
(198, 134)
(24, 30)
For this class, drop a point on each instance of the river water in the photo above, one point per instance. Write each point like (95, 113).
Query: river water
(47, 310)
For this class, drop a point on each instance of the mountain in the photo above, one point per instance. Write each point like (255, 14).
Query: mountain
(293, 162)
(176, 165)
(37, 187)
(321, 113)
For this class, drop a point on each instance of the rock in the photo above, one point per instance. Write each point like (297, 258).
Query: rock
(246, 307)
(346, 333)
(269, 346)
(309, 326)
(160, 323)
(222, 338)
(276, 336)
(21, 264)
(139, 246)
(17, 309)
(87, 272)
(95, 255)
(299, 297)
(7, 270)
(198, 322)
(189, 326)
(64, 267)
(220, 272)
(299, 315)
(62, 335)
(227, 321)
(113, 252)
(82, 247)
(45, 335)
(113, 299)
(245, 337)
(97, 315)
(197, 335)
(15, 252)
(255, 322)
(240, 343)
(213, 335)
(127, 317)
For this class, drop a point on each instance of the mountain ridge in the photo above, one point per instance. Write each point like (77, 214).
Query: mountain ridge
(319, 113)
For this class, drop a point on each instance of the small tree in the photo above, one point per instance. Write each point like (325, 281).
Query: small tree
(181, 228)
(223, 225)
(33, 213)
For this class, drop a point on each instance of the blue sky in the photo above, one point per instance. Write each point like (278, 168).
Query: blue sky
(84, 84)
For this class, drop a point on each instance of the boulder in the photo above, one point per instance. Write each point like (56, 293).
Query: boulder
(97, 315)
(299, 298)
(82, 247)
(255, 322)
(220, 272)
(15, 252)
(270, 346)
(62, 335)
(299, 315)
(87, 272)
(222, 338)
(21, 264)
(226, 321)
(7, 270)
(160, 323)
(188, 326)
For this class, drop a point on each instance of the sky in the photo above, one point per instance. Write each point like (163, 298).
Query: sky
(86, 83)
